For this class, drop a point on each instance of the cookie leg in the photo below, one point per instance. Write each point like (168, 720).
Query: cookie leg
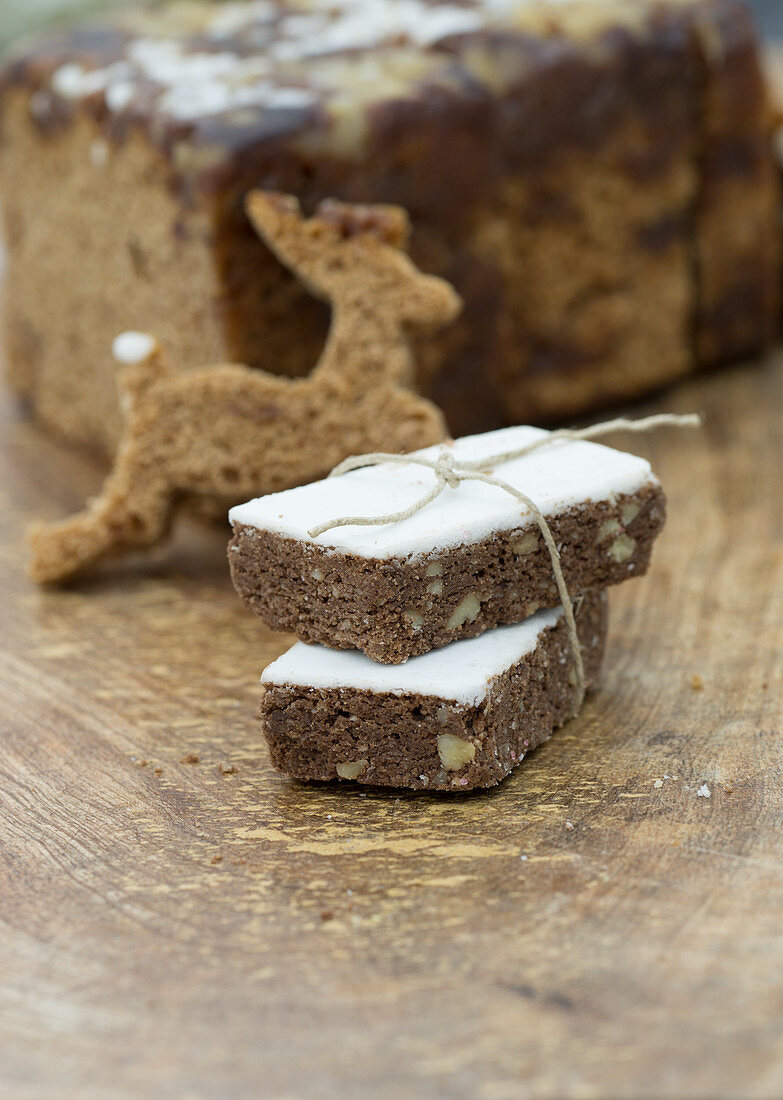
(114, 522)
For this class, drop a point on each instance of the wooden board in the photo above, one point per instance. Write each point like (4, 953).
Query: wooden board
(173, 929)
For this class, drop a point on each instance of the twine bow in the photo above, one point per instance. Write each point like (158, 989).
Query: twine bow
(450, 473)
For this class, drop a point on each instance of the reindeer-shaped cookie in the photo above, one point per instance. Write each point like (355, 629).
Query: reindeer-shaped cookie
(229, 432)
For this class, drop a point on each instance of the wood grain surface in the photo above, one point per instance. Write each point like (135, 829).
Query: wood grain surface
(591, 928)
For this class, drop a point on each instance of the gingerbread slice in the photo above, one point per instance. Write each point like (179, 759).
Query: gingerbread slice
(450, 720)
(473, 559)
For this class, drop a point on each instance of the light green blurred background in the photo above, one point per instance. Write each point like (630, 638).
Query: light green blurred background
(18, 16)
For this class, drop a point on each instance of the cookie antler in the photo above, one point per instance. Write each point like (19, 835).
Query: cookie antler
(354, 255)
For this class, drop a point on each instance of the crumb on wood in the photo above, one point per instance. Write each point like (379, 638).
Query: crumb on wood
(227, 769)
(658, 784)
(217, 859)
(158, 770)
(190, 758)
(697, 684)
(569, 824)
(728, 788)
(327, 914)
(703, 791)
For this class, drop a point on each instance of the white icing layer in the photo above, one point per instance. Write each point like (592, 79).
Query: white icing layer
(132, 347)
(555, 477)
(273, 56)
(460, 672)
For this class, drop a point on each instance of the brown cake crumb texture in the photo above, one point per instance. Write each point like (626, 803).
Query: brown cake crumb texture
(397, 608)
(229, 433)
(597, 180)
(429, 743)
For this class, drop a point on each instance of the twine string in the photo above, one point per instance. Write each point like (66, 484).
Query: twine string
(449, 474)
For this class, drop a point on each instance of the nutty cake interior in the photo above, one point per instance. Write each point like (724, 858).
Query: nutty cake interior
(468, 562)
(452, 720)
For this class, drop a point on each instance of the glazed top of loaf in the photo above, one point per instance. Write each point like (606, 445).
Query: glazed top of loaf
(241, 71)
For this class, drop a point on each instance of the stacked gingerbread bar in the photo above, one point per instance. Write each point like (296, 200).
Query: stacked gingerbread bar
(434, 650)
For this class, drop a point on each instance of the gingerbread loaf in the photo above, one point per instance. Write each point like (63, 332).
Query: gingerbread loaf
(595, 177)
(452, 720)
(471, 560)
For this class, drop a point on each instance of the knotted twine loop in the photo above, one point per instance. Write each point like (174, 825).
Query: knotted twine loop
(449, 474)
